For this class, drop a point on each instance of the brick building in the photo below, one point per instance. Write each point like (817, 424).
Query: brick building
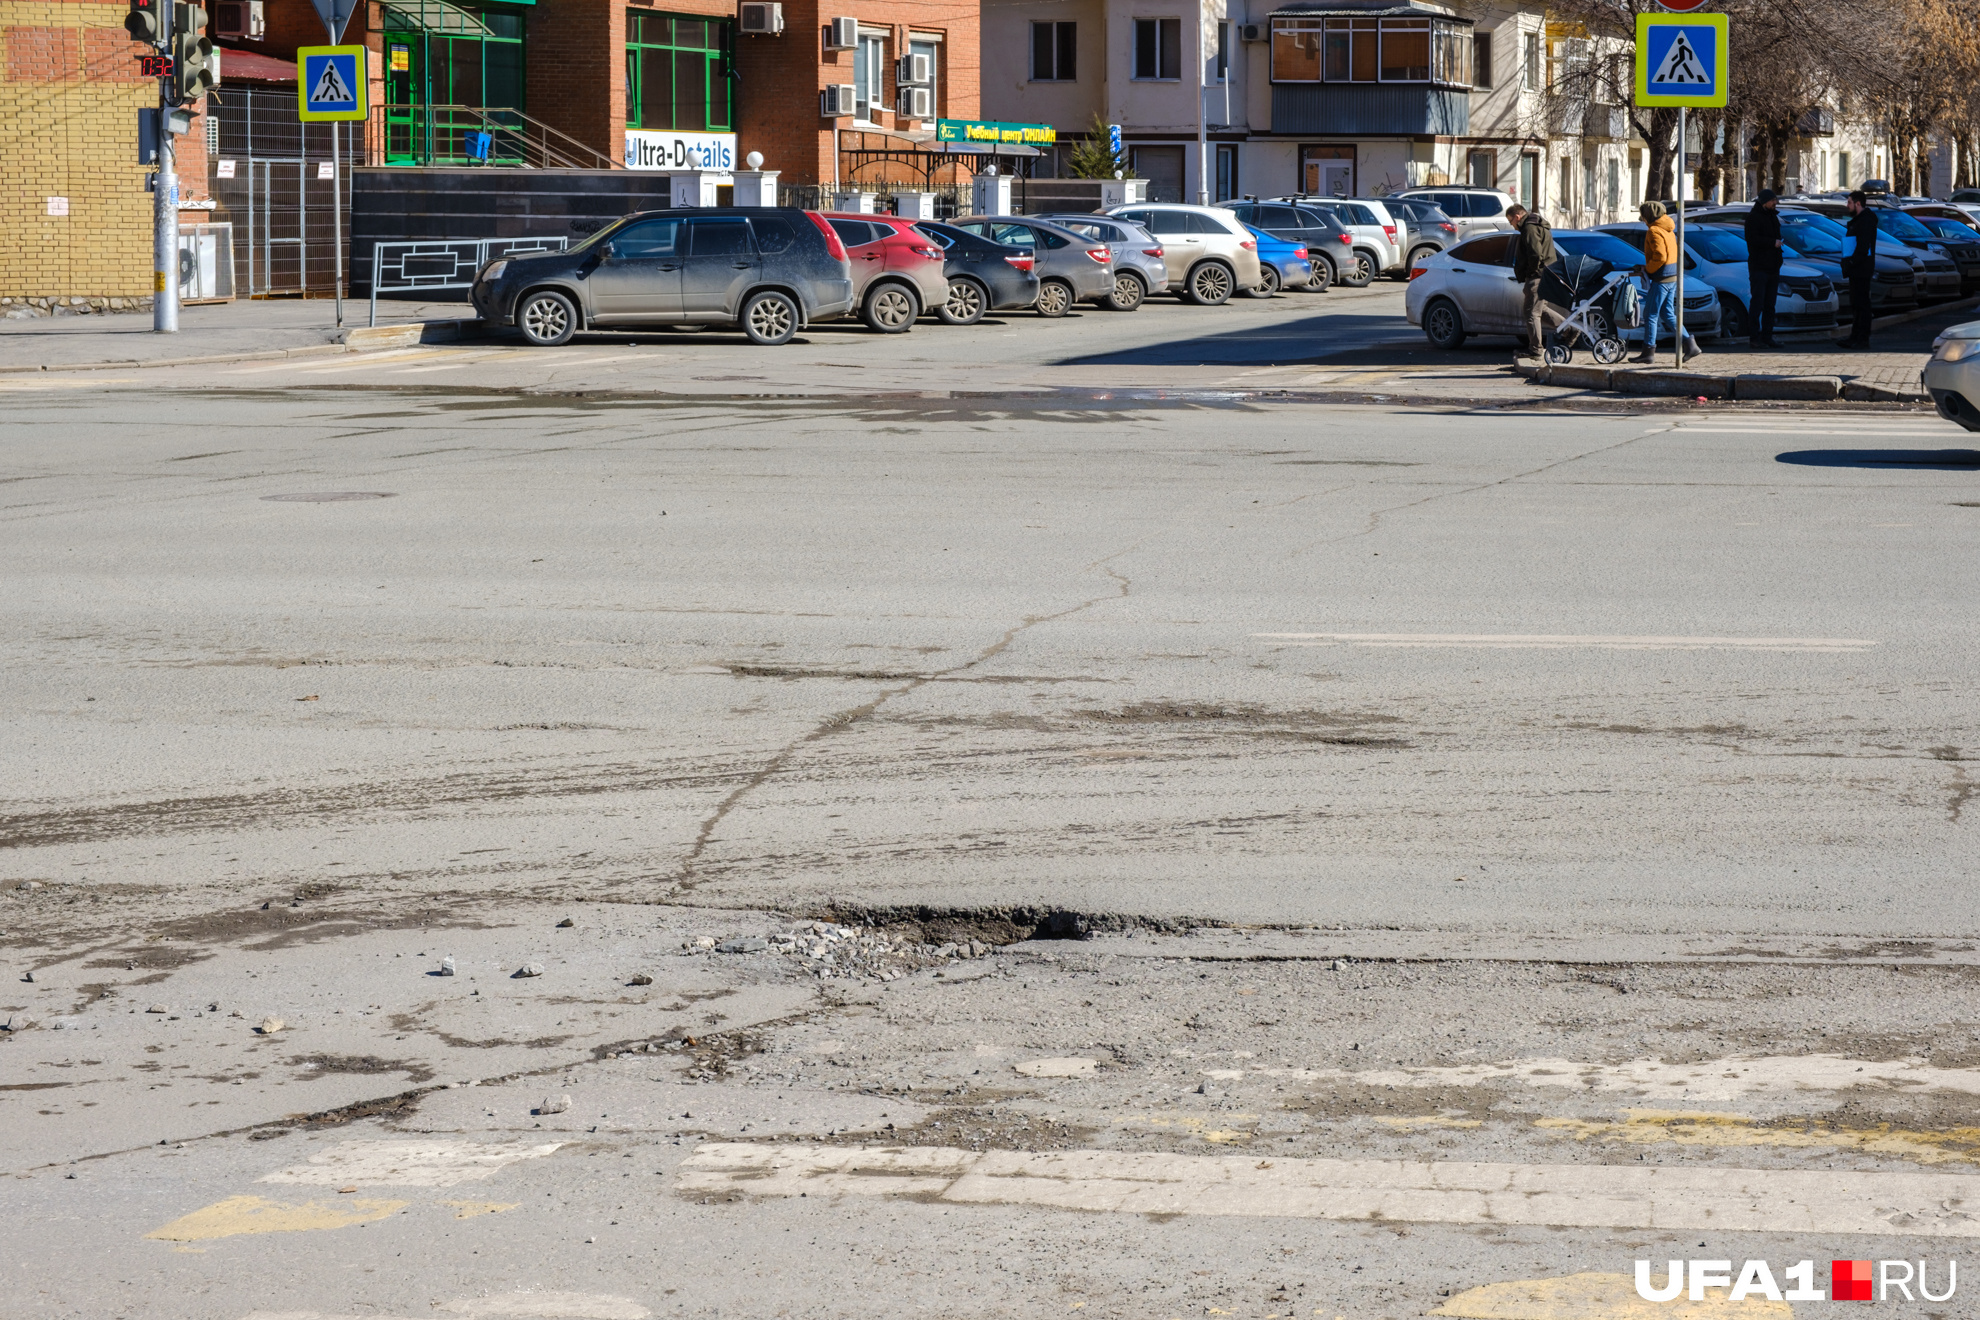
(73, 202)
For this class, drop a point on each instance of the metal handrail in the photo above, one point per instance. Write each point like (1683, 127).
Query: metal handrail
(544, 147)
(451, 257)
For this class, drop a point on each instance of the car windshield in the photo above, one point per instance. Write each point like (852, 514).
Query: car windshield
(1810, 236)
(1717, 245)
(1947, 228)
(603, 234)
(1903, 226)
(1602, 247)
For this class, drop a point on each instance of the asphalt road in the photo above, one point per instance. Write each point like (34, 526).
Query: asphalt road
(1498, 760)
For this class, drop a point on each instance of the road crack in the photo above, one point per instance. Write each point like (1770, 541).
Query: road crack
(684, 877)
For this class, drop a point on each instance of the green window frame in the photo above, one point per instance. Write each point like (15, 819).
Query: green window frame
(679, 75)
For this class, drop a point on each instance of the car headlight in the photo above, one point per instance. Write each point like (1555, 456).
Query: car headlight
(493, 271)
(1956, 350)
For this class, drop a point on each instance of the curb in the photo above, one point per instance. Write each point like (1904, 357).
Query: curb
(359, 339)
(408, 333)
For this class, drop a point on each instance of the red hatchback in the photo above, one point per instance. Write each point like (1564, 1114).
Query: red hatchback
(896, 270)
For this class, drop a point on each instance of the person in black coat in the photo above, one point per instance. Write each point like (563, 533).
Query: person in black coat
(1763, 268)
(1860, 264)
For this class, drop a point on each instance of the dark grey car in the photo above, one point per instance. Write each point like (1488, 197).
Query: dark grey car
(769, 271)
(1430, 230)
(1071, 268)
(1138, 266)
(1330, 248)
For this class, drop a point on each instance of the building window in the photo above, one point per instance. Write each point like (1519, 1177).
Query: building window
(870, 77)
(1567, 182)
(1223, 51)
(1054, 51)
(677, 73)
(1842, 169)
(1589, 189)
(1528, 191)
(933, 50)
(1531, 69)
(1483, 167)
(1227, 172)
(1367, 50)
(1481, 59)
(1158, 48)
(1615, 184)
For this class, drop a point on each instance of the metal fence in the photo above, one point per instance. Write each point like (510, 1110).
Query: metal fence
(427, 264)
(273, 177)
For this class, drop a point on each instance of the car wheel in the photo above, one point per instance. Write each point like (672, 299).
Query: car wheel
(547, 318)
(1442, 324)
(1323, 276)
(1360, 269)
(889, 309)
(1417, 258)
(1129, 293)
(1055, 298)
(1268, 286)
(1210, 284)
(1732, 318)
(966, 304)
(770, 319)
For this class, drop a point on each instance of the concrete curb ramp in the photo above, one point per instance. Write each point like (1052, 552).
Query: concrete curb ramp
(1697, 384)
(410, 333)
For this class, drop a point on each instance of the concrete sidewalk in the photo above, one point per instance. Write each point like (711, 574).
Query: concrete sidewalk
(209, 332)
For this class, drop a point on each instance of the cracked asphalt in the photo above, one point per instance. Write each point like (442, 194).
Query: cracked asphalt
(980, 857)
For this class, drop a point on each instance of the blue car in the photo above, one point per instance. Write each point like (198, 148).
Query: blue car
(1283, 262)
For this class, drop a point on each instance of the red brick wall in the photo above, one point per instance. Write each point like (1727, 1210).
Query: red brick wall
(577, 71)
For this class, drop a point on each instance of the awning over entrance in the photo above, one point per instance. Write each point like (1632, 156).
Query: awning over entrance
(438, 17)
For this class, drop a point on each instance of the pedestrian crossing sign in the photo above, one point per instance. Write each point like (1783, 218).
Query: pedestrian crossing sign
(330, 82)
(1681, 59)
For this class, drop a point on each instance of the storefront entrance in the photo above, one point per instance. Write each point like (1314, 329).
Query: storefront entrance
(1327, 171)
(454, 83)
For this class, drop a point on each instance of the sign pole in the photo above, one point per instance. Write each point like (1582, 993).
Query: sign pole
(165, 205)
(337, 216)
(1678, 347)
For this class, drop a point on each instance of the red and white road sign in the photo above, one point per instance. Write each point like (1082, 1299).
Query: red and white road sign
(1681, 6)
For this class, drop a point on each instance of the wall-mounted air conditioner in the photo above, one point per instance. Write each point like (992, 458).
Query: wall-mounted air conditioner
(836, 101)
(842, 34)
(761, 19)
(914, 70)
(1255, 32)
(238, 18)
(916, 103)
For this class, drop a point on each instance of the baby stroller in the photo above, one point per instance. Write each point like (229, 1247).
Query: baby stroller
(1582, 283)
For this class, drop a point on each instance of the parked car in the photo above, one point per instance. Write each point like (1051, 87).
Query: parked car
(1369, 221)
(1716, 256)
(1961, 247)
(1138, 266)
(1282, 261)
(897, 271)
(1815, 241)
(984, 275)
(1964, 216)
(1427, 230)
(1469, 289)
(1968, 195)
(1474, 211)
(769, 271)
(1952, 375)
(1329, 245)
(1071, 268)
(1209, 255)
(1935, 274)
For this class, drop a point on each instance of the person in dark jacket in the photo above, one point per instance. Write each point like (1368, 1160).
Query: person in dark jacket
(1763, 267)
(1860, 264)
(1533, 252)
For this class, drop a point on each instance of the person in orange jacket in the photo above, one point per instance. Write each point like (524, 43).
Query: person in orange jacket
(1660, 272)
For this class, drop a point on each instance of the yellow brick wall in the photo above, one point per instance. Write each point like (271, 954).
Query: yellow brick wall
(69, 97)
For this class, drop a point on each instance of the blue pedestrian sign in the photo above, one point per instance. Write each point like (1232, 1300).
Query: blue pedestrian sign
(330, 82)
(1681, 59)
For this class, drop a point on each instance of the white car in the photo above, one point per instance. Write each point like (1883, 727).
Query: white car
(1475, 211)
(1715, 255)
(1209, 253)
(1469, 289)
(1374, 229)
(1952, 376)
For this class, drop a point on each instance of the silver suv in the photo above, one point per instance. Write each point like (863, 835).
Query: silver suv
(1474, 211)
(1138, 266)
(1208, 253)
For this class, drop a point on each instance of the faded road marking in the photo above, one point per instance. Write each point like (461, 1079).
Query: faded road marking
(1557, 641)
(535, 1305)
(251, 1214)
(406, 1163)
(1664, 1127)
(1600, 1297)
(1448, 1192)
(469, 1209)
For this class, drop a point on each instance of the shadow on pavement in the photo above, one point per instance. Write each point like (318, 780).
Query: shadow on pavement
(1882, 458)
(1335, 338)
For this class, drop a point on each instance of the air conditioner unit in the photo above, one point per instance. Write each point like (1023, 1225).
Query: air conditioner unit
(238, 18)
(836, 101)
(914, 70)
(916, 103)
(842, 34)
(1254, 32)
(759, 19)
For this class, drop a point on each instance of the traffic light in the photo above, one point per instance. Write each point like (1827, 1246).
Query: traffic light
(142, 21)
(195, 64)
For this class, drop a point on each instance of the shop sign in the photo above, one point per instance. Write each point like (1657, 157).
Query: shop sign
(679, 151)
(988, 132)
